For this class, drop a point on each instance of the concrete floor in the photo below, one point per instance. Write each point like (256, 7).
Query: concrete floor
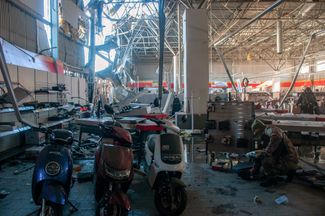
(209, 193)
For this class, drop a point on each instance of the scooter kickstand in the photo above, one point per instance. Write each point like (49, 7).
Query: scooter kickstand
(73, 206)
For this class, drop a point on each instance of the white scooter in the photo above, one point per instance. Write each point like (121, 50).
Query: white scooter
(164, 165)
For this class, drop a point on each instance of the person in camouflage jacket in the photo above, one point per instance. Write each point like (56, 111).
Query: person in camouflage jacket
(279, 157)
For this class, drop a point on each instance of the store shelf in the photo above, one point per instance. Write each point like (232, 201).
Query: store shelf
(22, 109)
(50, 92)
(55, 123)
(15, 131)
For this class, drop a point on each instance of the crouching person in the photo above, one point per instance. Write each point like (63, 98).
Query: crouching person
(278, 158)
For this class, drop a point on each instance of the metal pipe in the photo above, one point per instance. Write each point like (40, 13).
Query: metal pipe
(12, 96)
(312, 36)
(175, 73)
(201, 4)
(54, 28)
(179, 47)
(91, 58)
(267, 10)
(226, 68)
(279, 37)
(185, 5)
(161, 48)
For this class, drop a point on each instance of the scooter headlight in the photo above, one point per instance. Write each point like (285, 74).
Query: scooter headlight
(117, 174)
(52, 168)
(172, 158)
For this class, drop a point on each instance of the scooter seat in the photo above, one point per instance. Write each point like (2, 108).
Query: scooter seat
(61, 137)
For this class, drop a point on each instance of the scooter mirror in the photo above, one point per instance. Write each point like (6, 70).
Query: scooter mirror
(109, 109)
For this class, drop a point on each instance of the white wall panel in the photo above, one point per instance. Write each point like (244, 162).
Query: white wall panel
(26, 78)
(75, 89)
(82, 90)
(68, 82)
(13, 73)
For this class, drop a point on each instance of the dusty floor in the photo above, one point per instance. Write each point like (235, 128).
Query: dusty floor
(209, 193)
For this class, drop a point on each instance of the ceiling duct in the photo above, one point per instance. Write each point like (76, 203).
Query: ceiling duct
(279, 37)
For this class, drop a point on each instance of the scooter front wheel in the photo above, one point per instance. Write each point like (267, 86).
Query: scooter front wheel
(171, 205)
(105, 209)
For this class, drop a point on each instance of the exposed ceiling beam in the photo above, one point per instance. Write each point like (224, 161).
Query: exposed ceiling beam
(218, 41)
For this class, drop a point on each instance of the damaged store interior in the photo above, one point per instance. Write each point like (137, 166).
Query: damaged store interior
(162, 107)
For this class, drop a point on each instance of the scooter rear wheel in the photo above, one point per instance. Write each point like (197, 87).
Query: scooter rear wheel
(104, 209)
(52, 209)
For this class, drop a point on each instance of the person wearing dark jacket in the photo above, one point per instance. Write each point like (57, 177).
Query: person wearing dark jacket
(279, 157)
(307, 102)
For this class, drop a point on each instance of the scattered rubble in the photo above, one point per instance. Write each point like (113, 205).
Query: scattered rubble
(3, 194)
(223, 208)
(245, 212)
(227, 190)
(283, 199)
(257, 200)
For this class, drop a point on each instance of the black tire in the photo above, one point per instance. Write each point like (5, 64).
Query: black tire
(98, 190)
(164, 209)
(52, 209)
(113, 210)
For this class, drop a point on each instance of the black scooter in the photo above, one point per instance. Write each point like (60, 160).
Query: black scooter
(52, 177)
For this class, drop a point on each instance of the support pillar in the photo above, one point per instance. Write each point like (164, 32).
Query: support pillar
(196, 61)
(91, 58)
(54, 12)
(176, 73)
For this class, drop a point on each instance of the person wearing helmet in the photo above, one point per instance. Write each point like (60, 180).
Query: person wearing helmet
(279, 157)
